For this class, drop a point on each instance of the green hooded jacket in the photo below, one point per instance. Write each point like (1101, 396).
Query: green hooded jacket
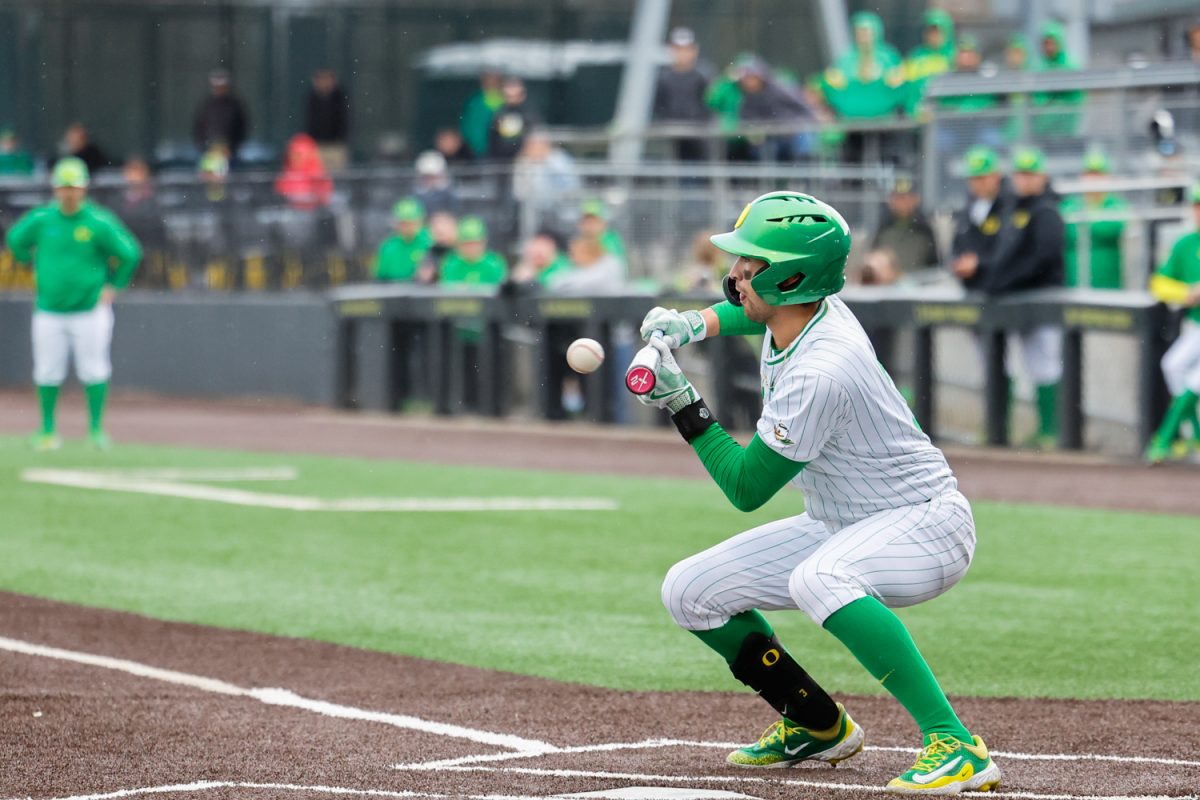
(1055, 124)
(924, 62)
(476, 120)
(865, 85)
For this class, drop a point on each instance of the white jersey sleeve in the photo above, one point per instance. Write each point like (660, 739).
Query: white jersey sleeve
(803, 414)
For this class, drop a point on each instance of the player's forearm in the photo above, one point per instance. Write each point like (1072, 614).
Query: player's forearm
(726, 319)
(748, 476)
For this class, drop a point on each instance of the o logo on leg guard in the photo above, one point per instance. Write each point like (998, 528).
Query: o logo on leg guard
(770, 658)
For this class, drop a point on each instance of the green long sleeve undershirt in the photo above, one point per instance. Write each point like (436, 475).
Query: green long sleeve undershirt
(734, 321)
(748, 476)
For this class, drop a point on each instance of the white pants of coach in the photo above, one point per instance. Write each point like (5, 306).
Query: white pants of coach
(901, 556)
(1181, 363)
(84, 335)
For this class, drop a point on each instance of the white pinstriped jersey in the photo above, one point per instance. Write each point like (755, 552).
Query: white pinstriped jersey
(828, 402)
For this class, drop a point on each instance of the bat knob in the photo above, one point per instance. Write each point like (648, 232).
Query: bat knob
(639, 379)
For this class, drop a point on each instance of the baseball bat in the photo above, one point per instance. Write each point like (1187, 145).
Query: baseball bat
(639, 378)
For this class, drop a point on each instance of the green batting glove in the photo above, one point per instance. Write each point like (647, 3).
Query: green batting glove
(672, 390)
(677, 327)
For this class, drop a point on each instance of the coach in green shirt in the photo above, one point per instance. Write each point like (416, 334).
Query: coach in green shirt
(82, 256)
(1104, 236)
(471, 263)
(401, 253)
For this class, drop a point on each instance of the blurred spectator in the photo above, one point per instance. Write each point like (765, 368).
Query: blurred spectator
(967, 60)
(327, 119)
(879, 268)
(1192, 40)
(1053, 50)
(1177, 282)
(77, 143)
(764, 100)
(471, 263)
(679, 93)
(978, 224)
(933, 56)
(541, 262)
(724, 96)
(220, 118)
(304, 181)
(593, 269)
(906, 233)
(476, 120)
(1104, 236)
(867, 81)
(434, 189)
(593, 224)
(707, 268)
(443, 230)
(511, 122)
(139, 209)
(545, 177)
(449, 142)
(214, 171)
(400, 255)
(1016, 53)
(13, 160)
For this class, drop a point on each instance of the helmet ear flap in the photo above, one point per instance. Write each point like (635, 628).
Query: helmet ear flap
(731, 293)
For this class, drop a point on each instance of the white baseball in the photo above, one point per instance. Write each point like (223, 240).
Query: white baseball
(585, 355)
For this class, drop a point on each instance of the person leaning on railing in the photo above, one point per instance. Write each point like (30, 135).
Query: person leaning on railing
(400, 254)
(1104, 236)
(1177, 282)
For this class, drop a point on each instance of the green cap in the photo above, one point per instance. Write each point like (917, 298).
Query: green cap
(471, 229)
(1095, 162)
(594, 208)
(70, 172)
(804, 241)
(968, 41)
(409, 210)
(1195, 194)
(1029, 159)
(1018, 41)
(980, 160)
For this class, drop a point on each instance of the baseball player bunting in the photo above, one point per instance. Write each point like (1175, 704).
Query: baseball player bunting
(885, 525)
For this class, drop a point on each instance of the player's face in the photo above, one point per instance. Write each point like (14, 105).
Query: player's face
(1196, 213)
(742, 271)
(1028, 184)
(984, 187)
(69, 198)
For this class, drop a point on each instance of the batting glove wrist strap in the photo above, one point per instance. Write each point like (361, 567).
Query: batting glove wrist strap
(693, 419)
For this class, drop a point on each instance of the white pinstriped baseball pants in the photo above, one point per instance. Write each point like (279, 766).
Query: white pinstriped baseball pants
(901, 556)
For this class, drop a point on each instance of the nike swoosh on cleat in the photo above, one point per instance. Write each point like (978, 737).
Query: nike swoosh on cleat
(791, 751)
(930, 777)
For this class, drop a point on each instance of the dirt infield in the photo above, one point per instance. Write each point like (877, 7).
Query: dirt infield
(104, 704)
(72, 729)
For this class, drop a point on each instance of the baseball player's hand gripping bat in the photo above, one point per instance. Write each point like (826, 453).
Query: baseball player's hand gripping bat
(639, 378)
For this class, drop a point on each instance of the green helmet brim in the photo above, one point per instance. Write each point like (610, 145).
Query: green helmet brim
(734, 244)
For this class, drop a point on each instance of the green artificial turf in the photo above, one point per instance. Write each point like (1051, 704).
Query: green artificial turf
(1060, 602)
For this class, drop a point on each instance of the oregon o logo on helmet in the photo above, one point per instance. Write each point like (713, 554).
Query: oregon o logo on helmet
(803, 241)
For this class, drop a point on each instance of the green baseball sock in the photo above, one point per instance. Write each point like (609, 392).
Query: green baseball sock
(95, 401)
(1047, 408)
(881, 643)
(48, 398)
(1194, 421)
(1180, 409)
(727, 639)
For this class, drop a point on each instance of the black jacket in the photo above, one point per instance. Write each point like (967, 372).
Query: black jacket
(981, 239)
(510, 126)
(328, 116)
(679, 96)
(220, 119)
(1029, 254)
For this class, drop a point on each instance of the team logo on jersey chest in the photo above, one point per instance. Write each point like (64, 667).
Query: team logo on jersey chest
(781, 434)
(83, 234)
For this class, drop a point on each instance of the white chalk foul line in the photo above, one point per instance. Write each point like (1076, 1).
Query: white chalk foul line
(277, 697)
(200, 786)
(148, 483)
(848, 787)
(651, 743)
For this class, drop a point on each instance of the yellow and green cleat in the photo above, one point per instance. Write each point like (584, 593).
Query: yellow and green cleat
(45, 442)
(785, 744)
(949, 766)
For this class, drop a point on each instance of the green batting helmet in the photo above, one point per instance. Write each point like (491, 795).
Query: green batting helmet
(804, 241)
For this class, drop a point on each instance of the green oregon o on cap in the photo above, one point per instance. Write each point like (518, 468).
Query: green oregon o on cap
(1029, 159)
(1096, 162)
(409, 210)
(69, 172)
(980, 160)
